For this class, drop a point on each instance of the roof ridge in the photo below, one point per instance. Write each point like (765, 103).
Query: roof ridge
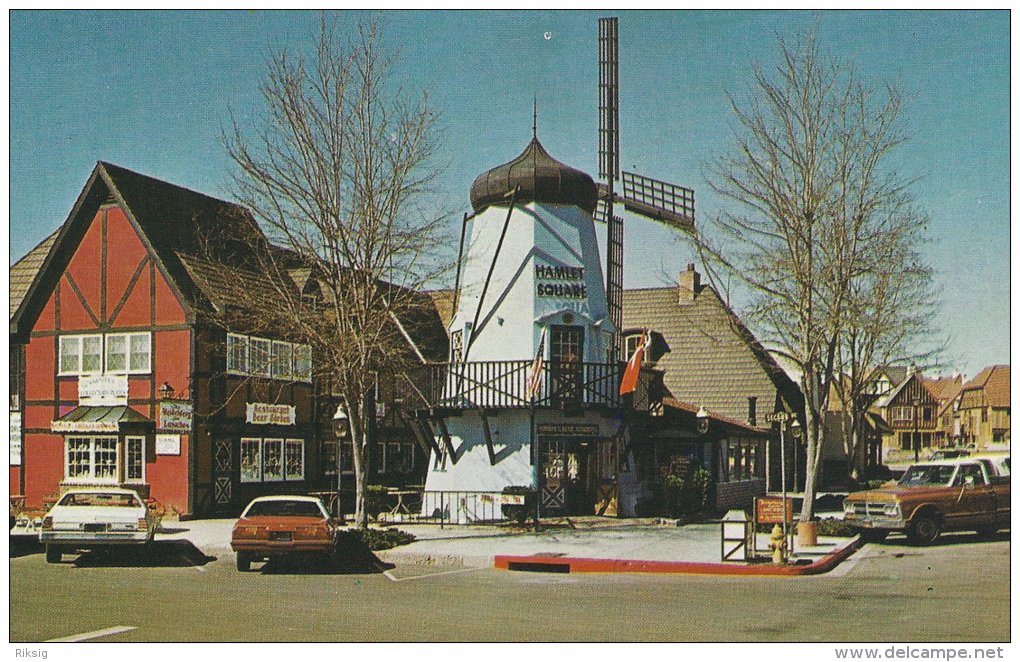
(163, 182)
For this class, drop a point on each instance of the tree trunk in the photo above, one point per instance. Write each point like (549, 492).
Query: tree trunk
(359, 447)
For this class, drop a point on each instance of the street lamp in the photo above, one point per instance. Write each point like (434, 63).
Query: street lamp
(166, 391)
(702, 417)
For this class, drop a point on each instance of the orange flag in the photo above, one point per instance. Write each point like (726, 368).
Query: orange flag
(630, 375)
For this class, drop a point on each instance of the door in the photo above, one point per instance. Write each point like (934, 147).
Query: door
(976, 499)
(566, 355)
(603, 477)
(223, 477)
(553, 476)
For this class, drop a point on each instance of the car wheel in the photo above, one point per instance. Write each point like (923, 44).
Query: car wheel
(53, 554)
(925, 529)
(244, 561)
(873, 535)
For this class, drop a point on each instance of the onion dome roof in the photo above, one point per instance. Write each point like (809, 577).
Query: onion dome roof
(541, 178)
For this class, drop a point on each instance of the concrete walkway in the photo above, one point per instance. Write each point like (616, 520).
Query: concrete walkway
(602, 539)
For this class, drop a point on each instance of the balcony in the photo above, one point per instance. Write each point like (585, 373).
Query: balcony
(504, 385)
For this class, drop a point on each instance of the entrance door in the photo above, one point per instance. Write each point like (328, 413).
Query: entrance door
(566, 471)
(603, 478)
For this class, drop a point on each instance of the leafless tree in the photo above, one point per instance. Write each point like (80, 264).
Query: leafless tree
(337, 172)
(823, 226)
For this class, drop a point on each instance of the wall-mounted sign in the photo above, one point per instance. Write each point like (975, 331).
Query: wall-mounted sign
(263, 413)
(175, 415)
(567, 429)
(769, 510)
(168, 444)
(571, 282)
(15, 438)
(102, 390)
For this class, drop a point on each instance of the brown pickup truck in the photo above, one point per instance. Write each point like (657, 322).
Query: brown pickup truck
(966, 494)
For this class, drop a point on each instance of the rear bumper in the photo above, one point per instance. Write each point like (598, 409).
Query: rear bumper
(82, 539)
(282, 547)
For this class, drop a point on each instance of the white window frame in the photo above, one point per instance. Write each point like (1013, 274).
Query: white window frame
(237, 340)
(80, 338)
(278, 346)
(267, 370)
(303, 365)
(128, 441)
(128, 340)
(257, 442)
(288, 443)
(90, 477)
(276, 441)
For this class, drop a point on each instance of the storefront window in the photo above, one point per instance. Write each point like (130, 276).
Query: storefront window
(251, 460)
(272, 459)
(134, 459)
(294, 459)
(91, 459)
(79, 457)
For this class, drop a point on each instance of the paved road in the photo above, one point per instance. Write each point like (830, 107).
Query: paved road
(957, 591)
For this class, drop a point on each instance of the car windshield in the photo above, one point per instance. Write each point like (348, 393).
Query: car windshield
(103, 499)
(284, 509)
(936, 474)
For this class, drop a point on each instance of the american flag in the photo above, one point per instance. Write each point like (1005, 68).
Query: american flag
(537, 367)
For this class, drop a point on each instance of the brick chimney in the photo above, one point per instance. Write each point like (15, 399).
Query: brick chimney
(690, 285)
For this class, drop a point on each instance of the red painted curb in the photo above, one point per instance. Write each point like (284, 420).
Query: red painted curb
(822, 565)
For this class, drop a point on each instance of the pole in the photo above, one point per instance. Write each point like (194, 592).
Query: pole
(782, 451)
(536, 470)
(916, 440)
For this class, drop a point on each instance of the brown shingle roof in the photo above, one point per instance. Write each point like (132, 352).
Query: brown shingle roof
(444, 301)
(24, 270)
(994, 380)
(709, 357)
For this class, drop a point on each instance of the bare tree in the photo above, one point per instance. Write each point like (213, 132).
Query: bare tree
(337, 173)
(818, 198)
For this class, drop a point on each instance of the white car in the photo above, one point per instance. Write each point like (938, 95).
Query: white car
(96, 517)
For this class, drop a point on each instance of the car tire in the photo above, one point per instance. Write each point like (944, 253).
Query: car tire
(244, 561)
(925, 529)
(53, 554)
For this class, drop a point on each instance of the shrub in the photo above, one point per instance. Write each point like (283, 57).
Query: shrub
(836, 528)
(375, 500)
(515, 512)
(376, 539)
(689, 495)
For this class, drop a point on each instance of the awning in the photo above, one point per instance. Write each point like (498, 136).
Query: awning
(97, 419)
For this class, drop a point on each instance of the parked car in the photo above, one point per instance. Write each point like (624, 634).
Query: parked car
(92, 518)
(277, 526)
(931, 497)
(999, 463)
(948, 453)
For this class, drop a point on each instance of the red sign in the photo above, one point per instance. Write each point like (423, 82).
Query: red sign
(769, 510)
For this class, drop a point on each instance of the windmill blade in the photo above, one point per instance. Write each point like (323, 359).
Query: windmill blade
(661, 201)
(609, 99)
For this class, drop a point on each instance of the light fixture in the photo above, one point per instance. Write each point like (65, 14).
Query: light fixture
(795, 428)
(702, 417)
(166, 391)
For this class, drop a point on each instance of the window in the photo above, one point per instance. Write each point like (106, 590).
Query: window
(81, 355)
(398, 458)
(261, 357)
(134, 460)
(273, 460)
(251, 460)
(743, 460)
(283, 353)
(294, 459)
(259, 350)
(237, 354)
(457, 346)
(128, 353)
(632, 341)
(91, 459)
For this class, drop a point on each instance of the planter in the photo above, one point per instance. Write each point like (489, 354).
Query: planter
(807, 534)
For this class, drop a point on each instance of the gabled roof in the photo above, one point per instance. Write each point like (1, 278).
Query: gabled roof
(172, 220)
(710, 357)
(444, 301)
(23, 271)
(994, 380)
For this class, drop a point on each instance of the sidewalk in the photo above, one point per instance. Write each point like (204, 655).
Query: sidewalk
(580, 545)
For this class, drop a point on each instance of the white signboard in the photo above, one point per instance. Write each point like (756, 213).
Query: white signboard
(102, 390)
(168, 444)
(263, 413)
(15, 438)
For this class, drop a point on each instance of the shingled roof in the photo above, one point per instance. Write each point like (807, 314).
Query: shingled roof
(710, 357)
(994, 380)
(23, 271)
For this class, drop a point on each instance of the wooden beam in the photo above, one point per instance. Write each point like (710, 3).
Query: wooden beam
(446, 440)
(488, 437)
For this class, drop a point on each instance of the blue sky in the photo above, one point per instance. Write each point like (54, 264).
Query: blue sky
(150, 91)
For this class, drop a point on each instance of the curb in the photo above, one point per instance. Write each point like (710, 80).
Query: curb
(568, 565)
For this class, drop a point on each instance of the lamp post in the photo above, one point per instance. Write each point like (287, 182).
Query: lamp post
(916, 439)
(166, 392)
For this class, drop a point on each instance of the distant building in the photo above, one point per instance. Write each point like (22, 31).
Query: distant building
(982, 409)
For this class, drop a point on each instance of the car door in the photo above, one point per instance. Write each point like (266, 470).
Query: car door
(976, 500)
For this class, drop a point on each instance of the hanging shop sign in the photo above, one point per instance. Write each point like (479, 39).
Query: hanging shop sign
(263, 413)
(15, 438)
(562, 282)
(168, 444)
(567, 429)
(175, 415)
(102, 390)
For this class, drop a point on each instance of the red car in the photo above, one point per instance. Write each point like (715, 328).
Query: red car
(276, 526)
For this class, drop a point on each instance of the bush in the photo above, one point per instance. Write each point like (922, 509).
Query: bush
(515, 512)
(376, 500)
(376, 539)
(836, 528)
(689, 495)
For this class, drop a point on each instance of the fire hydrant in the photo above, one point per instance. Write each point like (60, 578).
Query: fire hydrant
(778, 545)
